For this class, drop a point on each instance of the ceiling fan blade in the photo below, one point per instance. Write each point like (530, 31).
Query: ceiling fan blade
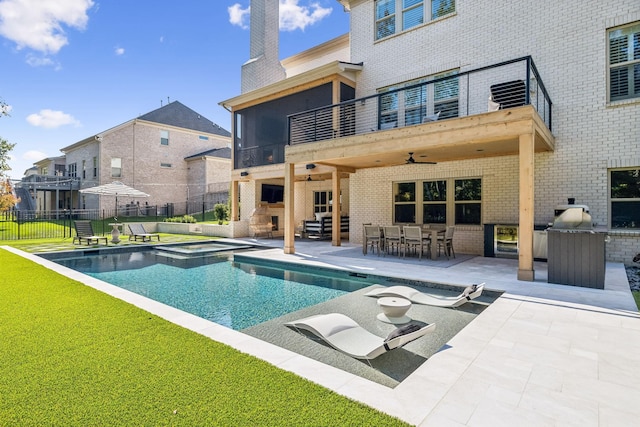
(412, 161)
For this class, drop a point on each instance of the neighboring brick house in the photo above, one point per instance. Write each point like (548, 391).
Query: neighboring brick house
(538, 102)
(158, 153)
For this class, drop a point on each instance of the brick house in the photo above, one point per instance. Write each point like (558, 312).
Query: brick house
(172, 153)
(509, 110)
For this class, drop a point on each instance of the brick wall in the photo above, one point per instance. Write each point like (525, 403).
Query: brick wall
(568, 42)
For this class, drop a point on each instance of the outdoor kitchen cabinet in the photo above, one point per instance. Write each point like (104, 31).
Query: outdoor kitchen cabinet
(576, 257)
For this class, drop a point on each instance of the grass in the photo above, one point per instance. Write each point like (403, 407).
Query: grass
(636, 297)
(72, 355)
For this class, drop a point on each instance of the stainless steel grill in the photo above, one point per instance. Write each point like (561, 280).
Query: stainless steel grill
(572, 217)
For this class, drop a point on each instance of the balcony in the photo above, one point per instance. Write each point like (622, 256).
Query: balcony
(49, 182)
(437, 115)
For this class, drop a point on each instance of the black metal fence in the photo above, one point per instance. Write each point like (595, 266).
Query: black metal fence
(18, 225)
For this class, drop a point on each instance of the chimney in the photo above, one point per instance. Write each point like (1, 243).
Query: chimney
(263, 68)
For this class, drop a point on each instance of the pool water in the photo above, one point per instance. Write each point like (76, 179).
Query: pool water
(234, 294)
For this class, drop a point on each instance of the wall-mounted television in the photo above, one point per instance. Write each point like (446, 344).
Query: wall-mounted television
(272, 193)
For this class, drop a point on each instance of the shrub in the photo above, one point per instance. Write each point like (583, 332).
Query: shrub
(184, 218)
(221, 212)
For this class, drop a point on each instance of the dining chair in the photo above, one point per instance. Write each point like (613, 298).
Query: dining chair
(446, 242)
(392, 239)
(372, 238)
(364, 238)
(412, 239)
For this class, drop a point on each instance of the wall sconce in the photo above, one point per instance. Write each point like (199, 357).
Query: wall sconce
(309, 178)
(310, 166)
(244, 173)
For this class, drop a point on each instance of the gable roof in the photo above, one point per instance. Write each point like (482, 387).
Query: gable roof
(178, 115)
(224, 153)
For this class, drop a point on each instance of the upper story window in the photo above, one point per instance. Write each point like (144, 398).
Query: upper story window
(73, 170)
(84, 169)
(95, 167)
(164, 137)
(624, 62)
(625, 198)
(420, 102)
(203, 137)
(116, 167)
(411, 13)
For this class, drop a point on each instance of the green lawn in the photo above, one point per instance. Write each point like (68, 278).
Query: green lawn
(71, 355)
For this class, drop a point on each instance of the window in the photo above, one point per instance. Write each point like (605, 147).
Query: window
(413, 13)
(116, 167)
(321, 201)
(73, 170)
(420, 99)
(625, 198)
(84, 169)
(468, 201)
(164, 137)
(434, 202)
(385, 18)
(165, 165)
(95, 167)
(405, 202)
(203, 138)
(438, 201)
(624, 62)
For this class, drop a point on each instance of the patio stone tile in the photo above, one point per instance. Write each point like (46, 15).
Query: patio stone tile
(565, 409)
(500, 414)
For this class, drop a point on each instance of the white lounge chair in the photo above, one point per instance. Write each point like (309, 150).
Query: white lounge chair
(417, 297)
(345, 335)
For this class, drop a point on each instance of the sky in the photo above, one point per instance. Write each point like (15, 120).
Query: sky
(70, 69)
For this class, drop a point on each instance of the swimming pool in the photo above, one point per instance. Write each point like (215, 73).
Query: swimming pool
(215, 287)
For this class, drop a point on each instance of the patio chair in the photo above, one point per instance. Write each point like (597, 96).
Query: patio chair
(413, 239)
(417, 297)
(372, 238)
(392, 239)
(138, 231)
(446, 242)
(345, 335)
(84, 231)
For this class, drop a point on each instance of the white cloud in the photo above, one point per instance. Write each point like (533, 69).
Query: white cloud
(293, 16)
(119, 51)
(34, 155)
(42, 61)
(239, 16)
(38, 24)
(50, 119)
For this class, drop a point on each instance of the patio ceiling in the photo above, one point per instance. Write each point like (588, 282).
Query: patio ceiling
(484, 135)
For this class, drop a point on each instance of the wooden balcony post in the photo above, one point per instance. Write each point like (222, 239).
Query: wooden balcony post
(526, 214)
(335, 217)
(289, 208)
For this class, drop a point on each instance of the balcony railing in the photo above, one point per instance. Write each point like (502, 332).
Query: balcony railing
(505, 85)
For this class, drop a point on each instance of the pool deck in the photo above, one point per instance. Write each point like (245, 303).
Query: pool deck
(541, 354)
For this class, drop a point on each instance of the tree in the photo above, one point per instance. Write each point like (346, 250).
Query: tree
(7, 199)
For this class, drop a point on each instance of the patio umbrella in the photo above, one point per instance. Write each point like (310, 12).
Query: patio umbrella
(116, 188)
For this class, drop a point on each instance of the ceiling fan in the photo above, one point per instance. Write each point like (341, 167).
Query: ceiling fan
(412, 161)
